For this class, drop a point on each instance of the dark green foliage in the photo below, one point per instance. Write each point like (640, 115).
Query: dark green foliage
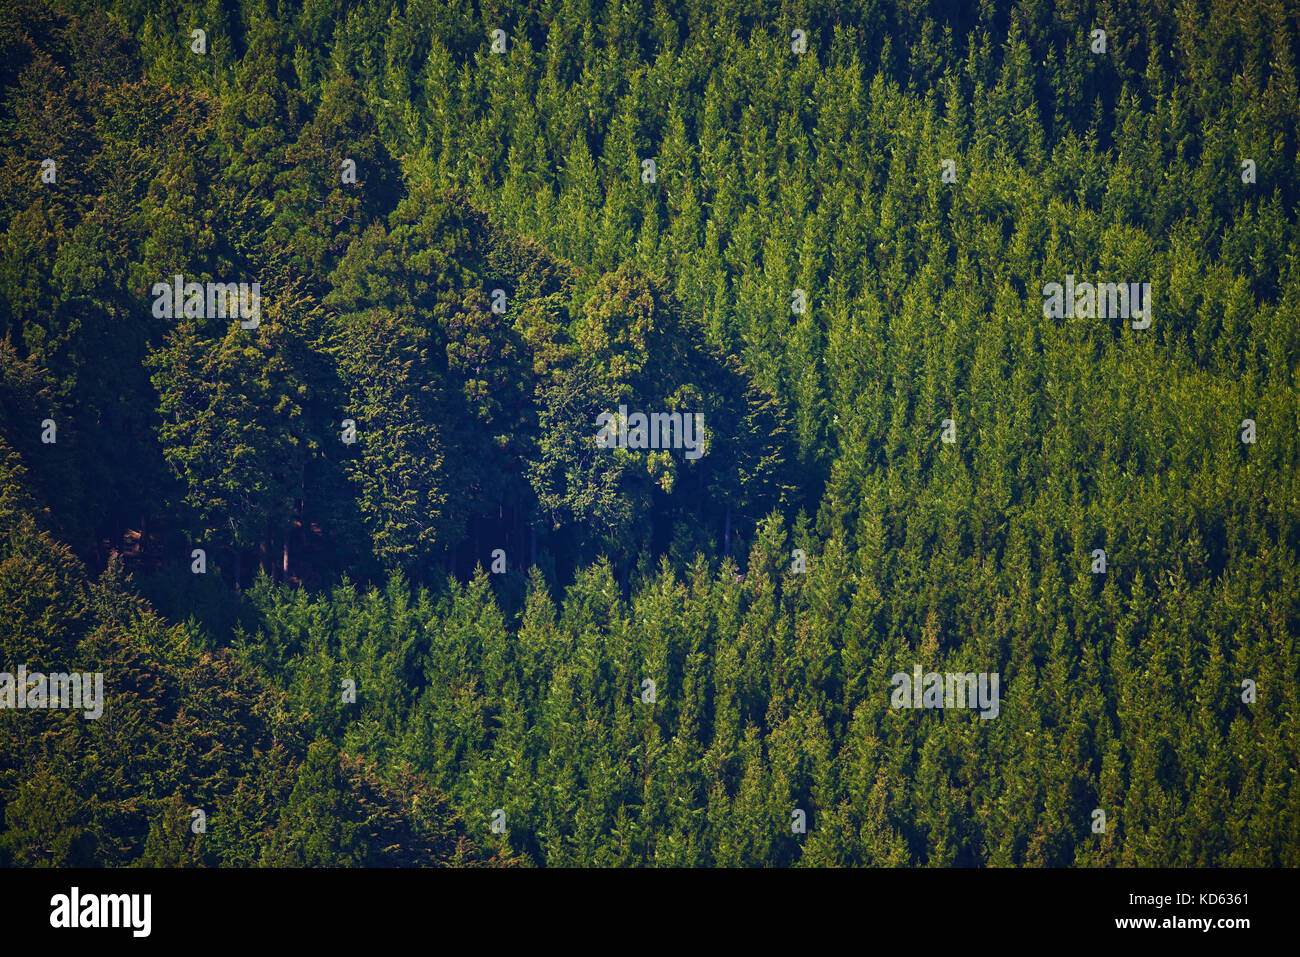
(180, 729)
(775, 172)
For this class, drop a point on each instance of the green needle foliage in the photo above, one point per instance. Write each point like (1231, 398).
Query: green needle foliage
(432, 605)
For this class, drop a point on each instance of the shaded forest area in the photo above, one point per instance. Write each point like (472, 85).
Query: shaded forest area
(836, 257)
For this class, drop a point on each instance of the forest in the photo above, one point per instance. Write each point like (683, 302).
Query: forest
(966, 336)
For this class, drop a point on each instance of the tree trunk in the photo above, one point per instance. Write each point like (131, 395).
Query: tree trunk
(302, 515)
(517, 526)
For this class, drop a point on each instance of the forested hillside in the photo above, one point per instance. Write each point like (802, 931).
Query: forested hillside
(367, 587)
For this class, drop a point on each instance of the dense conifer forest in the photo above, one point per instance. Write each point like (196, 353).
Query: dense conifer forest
(366, 584)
